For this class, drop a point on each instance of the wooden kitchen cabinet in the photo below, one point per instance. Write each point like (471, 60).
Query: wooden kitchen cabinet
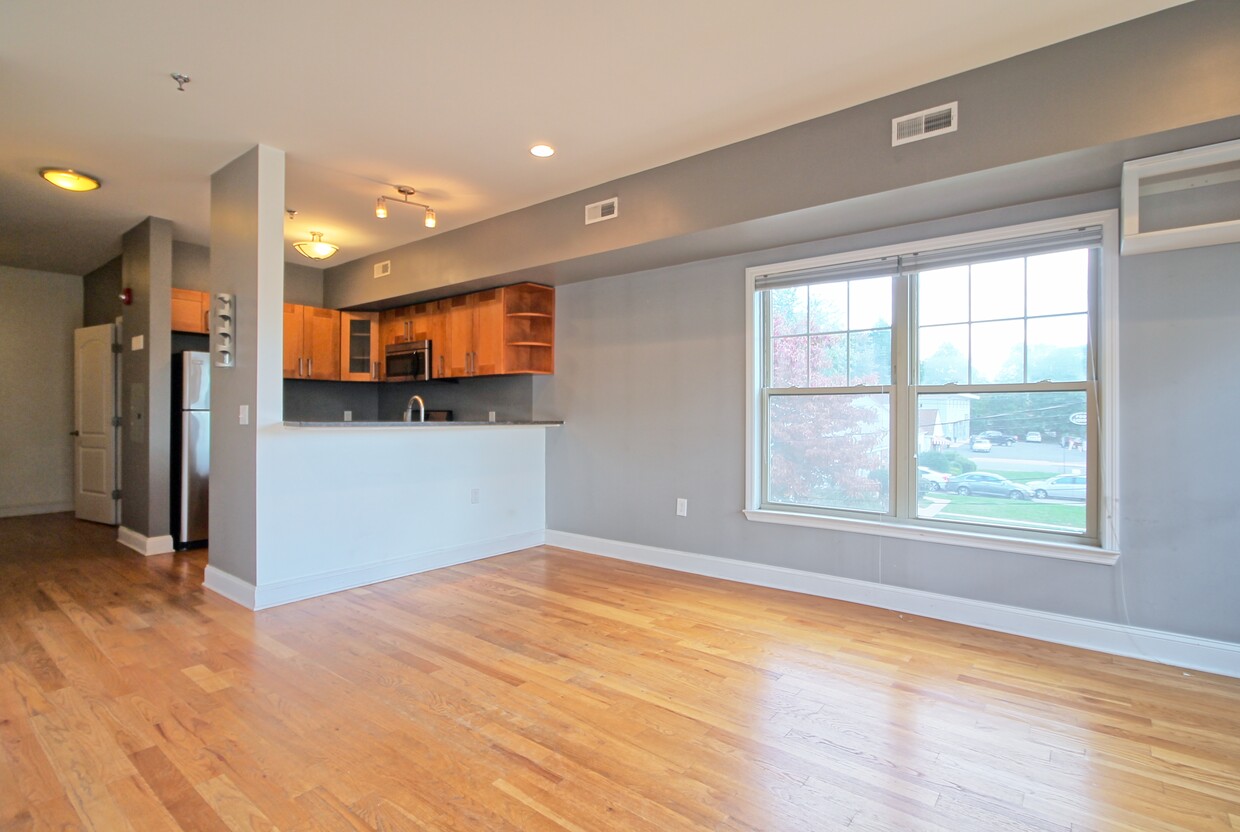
(504, 331)
(191, 311)
(475, 334)
(360, 350)
(528, 329)
(396, 325)
(311, 342)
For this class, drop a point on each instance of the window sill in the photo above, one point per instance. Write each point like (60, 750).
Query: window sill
(997, 543)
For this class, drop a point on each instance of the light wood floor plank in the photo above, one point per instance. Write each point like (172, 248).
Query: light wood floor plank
(548, 690)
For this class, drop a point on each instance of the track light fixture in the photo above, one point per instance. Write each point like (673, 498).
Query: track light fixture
(405, 192)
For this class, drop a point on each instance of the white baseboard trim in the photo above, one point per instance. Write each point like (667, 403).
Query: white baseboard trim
(144, 545)
(34, 508)
(1190, 652)
(275, 594)
(229, 585)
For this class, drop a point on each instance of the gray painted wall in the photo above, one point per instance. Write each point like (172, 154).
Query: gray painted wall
(303, 284)
(1108, 89)
(650, 384)
(146, 380)
(191, 266)
(191, 269)
(101, 289)
(38, 313)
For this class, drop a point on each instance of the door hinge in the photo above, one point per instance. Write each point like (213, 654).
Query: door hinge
(116, 421)
(116, 348)
(116, 493)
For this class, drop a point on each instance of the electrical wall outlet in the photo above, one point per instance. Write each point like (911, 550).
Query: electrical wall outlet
(682, 507)
(243, 414)
(348, 415)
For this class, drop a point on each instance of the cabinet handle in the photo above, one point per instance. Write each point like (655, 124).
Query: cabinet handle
(300, 365)
(310, 367)
(206, 321)
(374, 373)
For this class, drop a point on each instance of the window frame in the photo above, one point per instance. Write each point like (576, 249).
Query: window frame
(901, 520)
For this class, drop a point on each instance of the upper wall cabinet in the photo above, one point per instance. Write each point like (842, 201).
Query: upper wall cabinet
(360, 351)
(311, 342)
(191, 311)
(508, 331)
(529, 329)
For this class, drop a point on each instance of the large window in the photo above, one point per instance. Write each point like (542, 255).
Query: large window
(950, 384)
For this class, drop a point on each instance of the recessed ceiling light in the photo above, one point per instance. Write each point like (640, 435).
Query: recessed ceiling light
(542, 150)
(70, 180)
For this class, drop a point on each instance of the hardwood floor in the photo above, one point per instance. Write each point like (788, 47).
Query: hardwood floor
(551, 690)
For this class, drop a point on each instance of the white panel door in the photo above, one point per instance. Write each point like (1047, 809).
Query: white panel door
(94, 428)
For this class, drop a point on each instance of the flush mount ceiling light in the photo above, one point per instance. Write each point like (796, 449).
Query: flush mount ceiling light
(542, 150)
(315, 248)
(70, 180)
(405, 192)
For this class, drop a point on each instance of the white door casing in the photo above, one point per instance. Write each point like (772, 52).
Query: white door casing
(94, 425)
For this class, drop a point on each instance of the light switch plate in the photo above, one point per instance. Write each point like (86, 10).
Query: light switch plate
(138, 342)
(243, 414)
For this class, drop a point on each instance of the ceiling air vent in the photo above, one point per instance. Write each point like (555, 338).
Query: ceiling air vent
(917, 126)
(605, 210)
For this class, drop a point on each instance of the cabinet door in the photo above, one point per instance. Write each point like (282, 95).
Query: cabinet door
(458, 355)
(437, 334)
(359, 346)
(395, 326)
(321, 343)
(189, 311)
(488, 340)
(294, 361)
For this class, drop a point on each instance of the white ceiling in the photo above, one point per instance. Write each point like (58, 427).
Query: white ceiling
(444, 96)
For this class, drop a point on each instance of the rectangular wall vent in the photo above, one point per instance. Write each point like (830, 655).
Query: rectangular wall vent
(917, 126)
(383, 269)
(605, 210)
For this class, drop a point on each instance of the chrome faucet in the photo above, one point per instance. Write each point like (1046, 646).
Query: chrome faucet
(421, 409)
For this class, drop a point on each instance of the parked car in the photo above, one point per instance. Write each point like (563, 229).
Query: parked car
(1063, 487)
(980, 445)
(998, 437)
(934, 480)
(1033, 436)
(988, 485)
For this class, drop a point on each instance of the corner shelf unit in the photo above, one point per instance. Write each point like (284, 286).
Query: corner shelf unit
(529, 329)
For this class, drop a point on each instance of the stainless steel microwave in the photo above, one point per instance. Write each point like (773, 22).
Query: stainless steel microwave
(410, 361)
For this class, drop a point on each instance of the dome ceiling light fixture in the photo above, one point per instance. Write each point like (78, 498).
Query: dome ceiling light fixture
(70, 180)
(315, 248)
(405, 192)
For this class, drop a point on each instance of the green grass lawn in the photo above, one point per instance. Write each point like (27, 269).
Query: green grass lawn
(1002, 511)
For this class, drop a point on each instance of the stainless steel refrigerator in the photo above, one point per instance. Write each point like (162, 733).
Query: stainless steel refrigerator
(191, 447)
